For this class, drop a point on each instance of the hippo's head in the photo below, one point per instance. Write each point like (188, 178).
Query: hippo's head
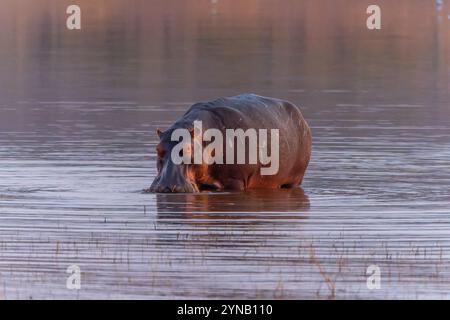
(171, 177)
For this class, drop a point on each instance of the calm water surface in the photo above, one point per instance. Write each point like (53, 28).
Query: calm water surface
(78, 113)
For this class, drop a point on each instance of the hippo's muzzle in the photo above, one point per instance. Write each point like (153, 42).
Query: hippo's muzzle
(172, 178)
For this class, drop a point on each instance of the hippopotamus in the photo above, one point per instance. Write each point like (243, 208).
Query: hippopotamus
(290, 136)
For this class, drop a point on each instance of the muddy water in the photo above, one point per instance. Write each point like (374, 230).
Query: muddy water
(78, 112)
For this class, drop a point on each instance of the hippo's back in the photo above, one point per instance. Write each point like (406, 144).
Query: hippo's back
(252, 111)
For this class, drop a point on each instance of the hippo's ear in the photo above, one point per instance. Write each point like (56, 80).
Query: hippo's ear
(158, 132)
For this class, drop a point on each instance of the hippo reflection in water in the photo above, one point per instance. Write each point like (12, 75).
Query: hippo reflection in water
(260, 203)
(243, 112)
